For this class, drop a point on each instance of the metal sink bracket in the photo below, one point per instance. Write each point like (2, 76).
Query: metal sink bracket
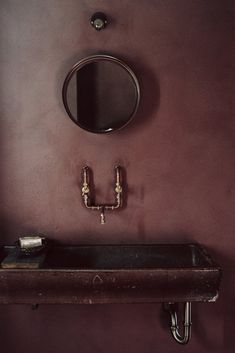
(172, 308)
(102, 207)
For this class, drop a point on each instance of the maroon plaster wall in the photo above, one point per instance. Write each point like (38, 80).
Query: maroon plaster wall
(178, 155)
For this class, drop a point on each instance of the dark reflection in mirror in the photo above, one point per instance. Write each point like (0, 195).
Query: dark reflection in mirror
(101, 95)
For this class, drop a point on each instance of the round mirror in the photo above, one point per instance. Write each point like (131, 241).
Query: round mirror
(101, 94)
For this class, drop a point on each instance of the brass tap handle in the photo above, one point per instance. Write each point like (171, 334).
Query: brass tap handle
(118, 188)
(85, 189)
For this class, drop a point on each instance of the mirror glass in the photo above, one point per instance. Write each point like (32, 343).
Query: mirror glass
(101, 94)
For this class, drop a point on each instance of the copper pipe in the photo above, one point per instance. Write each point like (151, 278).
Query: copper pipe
(102, 207)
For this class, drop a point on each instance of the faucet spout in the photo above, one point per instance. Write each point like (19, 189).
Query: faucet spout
(102, 216)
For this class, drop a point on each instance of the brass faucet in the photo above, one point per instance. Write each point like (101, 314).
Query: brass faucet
(102, 207)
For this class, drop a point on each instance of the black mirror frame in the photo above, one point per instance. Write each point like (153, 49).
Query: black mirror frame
(96, 58)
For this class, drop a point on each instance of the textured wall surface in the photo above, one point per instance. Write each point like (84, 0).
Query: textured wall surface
(178, 153)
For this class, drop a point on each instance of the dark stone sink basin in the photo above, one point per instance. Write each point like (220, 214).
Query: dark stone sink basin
(127, 257)
(112, 274)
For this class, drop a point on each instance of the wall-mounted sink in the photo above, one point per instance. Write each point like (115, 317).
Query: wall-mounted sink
(111, 274)
(167, 273)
